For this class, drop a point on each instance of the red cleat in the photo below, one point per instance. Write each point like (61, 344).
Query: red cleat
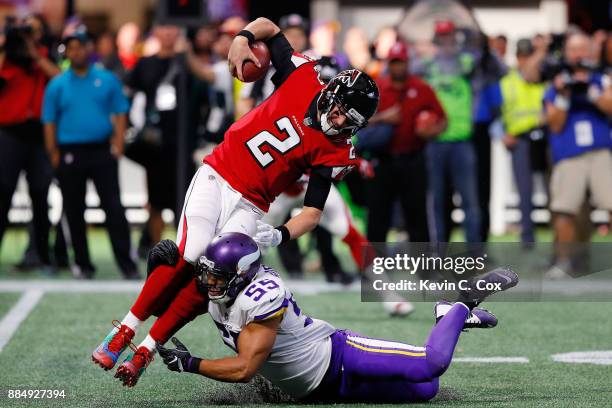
(134, 366)
(108, 352)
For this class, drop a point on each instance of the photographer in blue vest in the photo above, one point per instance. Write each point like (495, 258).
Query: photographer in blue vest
(577, 108)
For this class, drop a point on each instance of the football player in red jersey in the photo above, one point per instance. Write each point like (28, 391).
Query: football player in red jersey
(304, 126)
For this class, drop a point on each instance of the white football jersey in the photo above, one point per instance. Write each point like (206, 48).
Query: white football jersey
(302, 350)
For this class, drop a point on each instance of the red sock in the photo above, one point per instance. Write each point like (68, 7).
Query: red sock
(161, 287)
(361, 249)
(186, 306)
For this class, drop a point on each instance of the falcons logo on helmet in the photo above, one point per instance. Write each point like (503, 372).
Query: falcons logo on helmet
(349, 77)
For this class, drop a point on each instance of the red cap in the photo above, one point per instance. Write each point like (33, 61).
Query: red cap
(399, 51)
(444, 27)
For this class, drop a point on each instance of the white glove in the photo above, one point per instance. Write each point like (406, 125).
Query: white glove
(267, 236)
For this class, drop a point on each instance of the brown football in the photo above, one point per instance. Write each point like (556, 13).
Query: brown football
(250, 72)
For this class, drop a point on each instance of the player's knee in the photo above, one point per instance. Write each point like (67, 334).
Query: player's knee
(165, 252)
(426, 391)
(437, 362)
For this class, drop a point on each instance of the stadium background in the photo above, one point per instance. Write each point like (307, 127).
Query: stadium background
(50, 347)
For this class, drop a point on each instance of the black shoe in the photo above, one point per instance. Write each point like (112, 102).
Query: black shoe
(61, 263)
(347, 278)
(340, 277)
(485, 285)
(28, 264)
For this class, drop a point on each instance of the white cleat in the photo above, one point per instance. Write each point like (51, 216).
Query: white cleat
(398, 309)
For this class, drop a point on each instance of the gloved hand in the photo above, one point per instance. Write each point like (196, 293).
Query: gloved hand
(179, 359)
(267, 236)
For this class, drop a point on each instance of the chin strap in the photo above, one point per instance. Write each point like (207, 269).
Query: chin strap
(326, 128)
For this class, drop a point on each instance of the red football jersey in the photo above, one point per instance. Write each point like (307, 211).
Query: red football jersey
(270, 148)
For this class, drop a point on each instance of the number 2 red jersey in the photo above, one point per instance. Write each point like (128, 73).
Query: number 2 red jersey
(270, 148)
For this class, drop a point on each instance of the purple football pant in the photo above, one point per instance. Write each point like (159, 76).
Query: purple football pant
(364, 369)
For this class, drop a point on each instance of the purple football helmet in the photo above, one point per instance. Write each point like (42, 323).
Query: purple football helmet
(233, 257)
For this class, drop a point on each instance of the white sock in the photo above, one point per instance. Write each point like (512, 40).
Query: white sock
(148, 342)
(131, 321)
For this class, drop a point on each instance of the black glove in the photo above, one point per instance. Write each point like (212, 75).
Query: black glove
(179, 359)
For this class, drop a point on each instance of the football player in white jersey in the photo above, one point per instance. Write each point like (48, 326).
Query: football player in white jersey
(307, 358)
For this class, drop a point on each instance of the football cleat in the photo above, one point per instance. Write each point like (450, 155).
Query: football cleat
(482, 286)
(478, 318)
(398, 309)
(108, 352)
(134, 366)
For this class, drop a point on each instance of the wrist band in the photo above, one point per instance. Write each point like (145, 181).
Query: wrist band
(286, 236)
(193, 365)
(249, 36)
(561, 102)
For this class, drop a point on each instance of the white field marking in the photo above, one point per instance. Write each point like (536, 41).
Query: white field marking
(585, 357)
(505, 360)
(117, 286)
(18, 313)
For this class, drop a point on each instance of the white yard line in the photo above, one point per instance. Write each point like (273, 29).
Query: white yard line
(585, 357)
(517, 360)
(18, 313)
(33, 291)
(117, 286)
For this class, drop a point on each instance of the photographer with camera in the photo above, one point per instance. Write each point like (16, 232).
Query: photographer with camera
(25, 70)
(577, 108)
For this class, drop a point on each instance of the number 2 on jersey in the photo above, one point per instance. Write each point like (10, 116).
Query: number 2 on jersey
(266, 138)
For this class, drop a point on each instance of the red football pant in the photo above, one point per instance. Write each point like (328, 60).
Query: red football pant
(361, 249)
(170, 292)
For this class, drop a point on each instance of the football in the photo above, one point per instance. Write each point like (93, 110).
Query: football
(425, 120)
(250, 71)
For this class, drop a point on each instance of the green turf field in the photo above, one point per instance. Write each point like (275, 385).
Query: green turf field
(51, 350)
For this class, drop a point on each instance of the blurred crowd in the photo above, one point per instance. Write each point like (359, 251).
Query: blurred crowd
(72, 105)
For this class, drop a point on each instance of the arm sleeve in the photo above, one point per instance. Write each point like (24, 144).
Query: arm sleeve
(318, 188)
(49, 107)
(283, 58)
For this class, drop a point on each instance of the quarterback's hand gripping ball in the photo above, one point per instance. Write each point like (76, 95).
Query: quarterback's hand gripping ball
(267, 236)
(249, 63)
